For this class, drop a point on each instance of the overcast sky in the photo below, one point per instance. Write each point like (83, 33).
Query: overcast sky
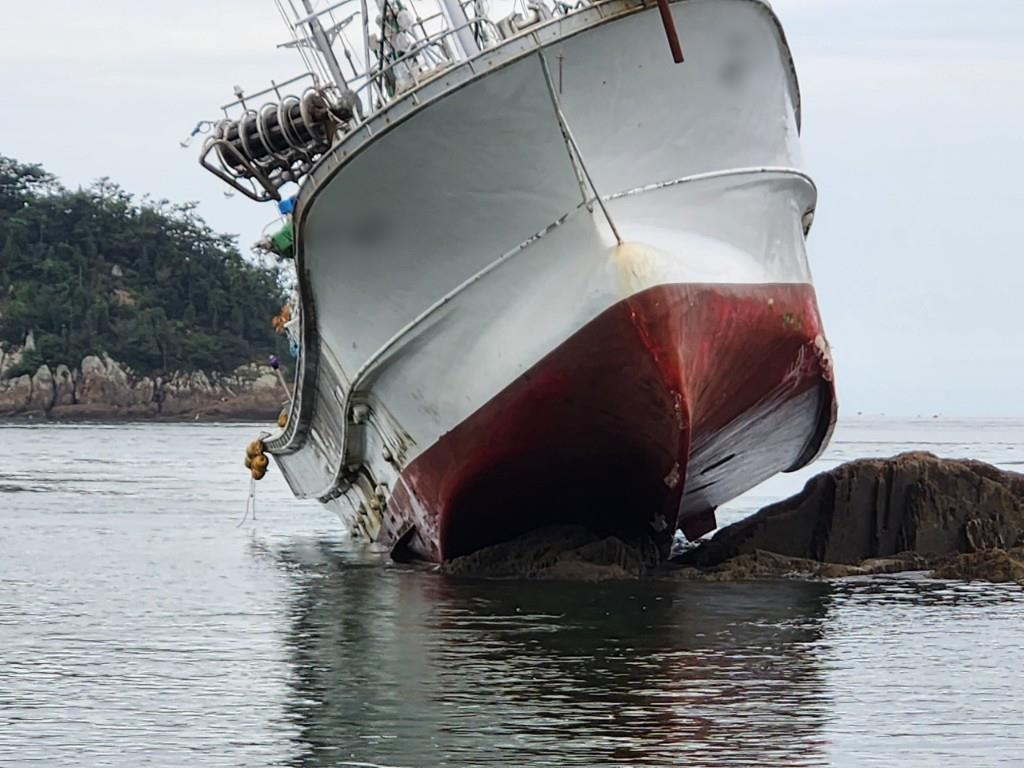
(913, 130)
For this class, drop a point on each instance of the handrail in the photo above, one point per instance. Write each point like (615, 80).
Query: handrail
(381, 73)
(369, 69)
(274, 87)
(405, 51)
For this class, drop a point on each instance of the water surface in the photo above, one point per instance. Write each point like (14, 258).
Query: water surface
(139, 626)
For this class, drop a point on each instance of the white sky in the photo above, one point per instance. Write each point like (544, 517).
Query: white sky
(913, 130)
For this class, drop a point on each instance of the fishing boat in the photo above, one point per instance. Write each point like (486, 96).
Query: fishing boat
(550, 263)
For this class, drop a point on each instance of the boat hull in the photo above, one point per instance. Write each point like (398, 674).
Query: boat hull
(572, 288)
(666, 405)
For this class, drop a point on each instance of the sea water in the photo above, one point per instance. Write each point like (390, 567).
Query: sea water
(140, 626)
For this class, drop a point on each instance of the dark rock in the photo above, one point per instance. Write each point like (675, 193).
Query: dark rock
(913, 512)
(752, 565)
(996, 565)
(760, 564)
(559, 552)
(879, 508)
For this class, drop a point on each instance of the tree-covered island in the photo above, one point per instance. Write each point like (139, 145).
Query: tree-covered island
(144, 287)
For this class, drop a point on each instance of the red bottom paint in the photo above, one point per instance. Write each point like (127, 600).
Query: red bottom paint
(605, 429)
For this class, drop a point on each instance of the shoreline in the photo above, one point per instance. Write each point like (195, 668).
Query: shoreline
(100, 389)
(92, 414)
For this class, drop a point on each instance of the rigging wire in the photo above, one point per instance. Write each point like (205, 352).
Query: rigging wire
(321, 68)
(299, 43)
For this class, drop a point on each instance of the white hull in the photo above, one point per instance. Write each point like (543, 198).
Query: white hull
(444, 255)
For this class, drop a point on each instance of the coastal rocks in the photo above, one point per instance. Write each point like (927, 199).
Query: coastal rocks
(252, 391)
(16, 394)
(41, 394)
(100, 388)
(880, 508)
(102, 381)
(64, 383)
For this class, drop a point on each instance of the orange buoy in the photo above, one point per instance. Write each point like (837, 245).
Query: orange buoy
(255, 460)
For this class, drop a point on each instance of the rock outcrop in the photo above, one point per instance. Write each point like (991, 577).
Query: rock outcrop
(881, 508)
(913, 512)
(100, 388)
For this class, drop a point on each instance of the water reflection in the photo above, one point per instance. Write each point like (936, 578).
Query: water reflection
(402, 666)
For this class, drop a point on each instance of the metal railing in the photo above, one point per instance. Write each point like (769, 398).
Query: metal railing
(384, 84)
(259, 150)
(406, 41)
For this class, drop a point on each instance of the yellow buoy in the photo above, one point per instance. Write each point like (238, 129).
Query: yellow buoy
(255, 460)
(282, 419)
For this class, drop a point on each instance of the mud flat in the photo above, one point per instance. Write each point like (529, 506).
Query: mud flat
(956, 518)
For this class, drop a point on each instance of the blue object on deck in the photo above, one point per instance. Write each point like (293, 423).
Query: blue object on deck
(287, 205)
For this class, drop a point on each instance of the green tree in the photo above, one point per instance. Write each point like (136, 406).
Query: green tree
(95, 270)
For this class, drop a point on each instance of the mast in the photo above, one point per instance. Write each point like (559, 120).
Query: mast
(458, 21)
(323, 45)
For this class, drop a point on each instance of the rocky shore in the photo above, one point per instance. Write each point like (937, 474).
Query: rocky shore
(955, 519)
(100, 388)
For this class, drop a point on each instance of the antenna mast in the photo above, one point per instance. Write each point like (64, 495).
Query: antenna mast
(319, 38)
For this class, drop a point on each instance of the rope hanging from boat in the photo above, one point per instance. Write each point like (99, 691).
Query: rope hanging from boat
(250, 504)
(256, 462)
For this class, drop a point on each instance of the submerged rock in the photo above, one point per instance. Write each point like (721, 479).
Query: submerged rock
(996, 565)
(761, 564)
